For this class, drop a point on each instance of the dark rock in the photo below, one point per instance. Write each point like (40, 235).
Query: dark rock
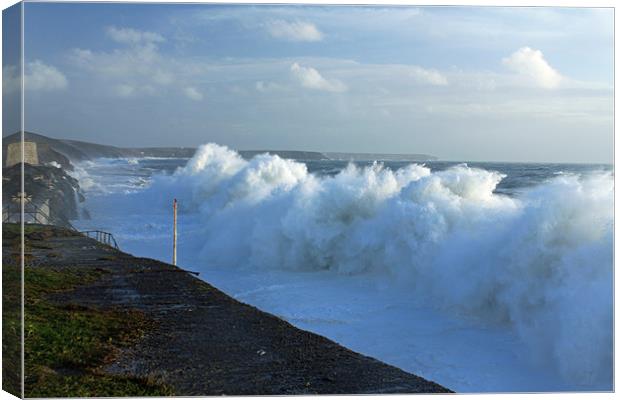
(43, 185)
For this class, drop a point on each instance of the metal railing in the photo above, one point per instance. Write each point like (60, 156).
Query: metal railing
(32, 214)
(102, 237)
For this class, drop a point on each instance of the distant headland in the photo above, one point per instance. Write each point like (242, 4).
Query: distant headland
(63, 151)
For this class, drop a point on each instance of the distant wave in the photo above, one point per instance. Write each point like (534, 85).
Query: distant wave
(541, 262)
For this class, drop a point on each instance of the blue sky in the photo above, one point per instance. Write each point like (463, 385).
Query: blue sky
(462, 83)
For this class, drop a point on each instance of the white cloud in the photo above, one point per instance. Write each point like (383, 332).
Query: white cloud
(237, 89)
(163, 77)
(124, 90)
(128, 90)
(10, 79)
(429, 76)
(531, 64)
(138, 68)
(38, 76)
(264, 87)
(132, 36)
(193, 93)
(142, 60)
(295, 31)
(311, 78)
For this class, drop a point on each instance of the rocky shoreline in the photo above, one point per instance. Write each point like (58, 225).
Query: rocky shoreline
(201, 341)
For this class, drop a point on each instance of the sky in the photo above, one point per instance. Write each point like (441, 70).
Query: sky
(460, 83)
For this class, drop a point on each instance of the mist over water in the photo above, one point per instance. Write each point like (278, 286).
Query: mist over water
(515, 259)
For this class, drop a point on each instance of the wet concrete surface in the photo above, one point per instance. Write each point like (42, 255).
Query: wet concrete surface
(205, 342)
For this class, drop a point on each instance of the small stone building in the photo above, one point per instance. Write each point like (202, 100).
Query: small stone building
(14, 154)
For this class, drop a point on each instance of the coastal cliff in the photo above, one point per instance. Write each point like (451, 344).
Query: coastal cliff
(63, 151)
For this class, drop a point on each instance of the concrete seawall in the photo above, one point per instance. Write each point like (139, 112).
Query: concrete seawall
(203, 342)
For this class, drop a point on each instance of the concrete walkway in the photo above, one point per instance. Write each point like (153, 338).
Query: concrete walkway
(207, 343)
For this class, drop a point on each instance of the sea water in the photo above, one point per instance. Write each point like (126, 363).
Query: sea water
(479, 276)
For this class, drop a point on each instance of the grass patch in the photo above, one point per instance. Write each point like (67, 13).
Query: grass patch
(98, 385)
(11, 329)
(66, 345)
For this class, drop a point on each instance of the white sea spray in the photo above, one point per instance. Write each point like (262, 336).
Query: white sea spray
(540, 263)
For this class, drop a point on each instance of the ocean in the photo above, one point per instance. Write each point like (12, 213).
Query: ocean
(483, 277)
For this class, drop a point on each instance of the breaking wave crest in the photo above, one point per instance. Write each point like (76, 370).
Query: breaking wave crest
(541, 262)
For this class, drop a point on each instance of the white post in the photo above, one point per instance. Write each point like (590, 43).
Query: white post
(174, 232)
